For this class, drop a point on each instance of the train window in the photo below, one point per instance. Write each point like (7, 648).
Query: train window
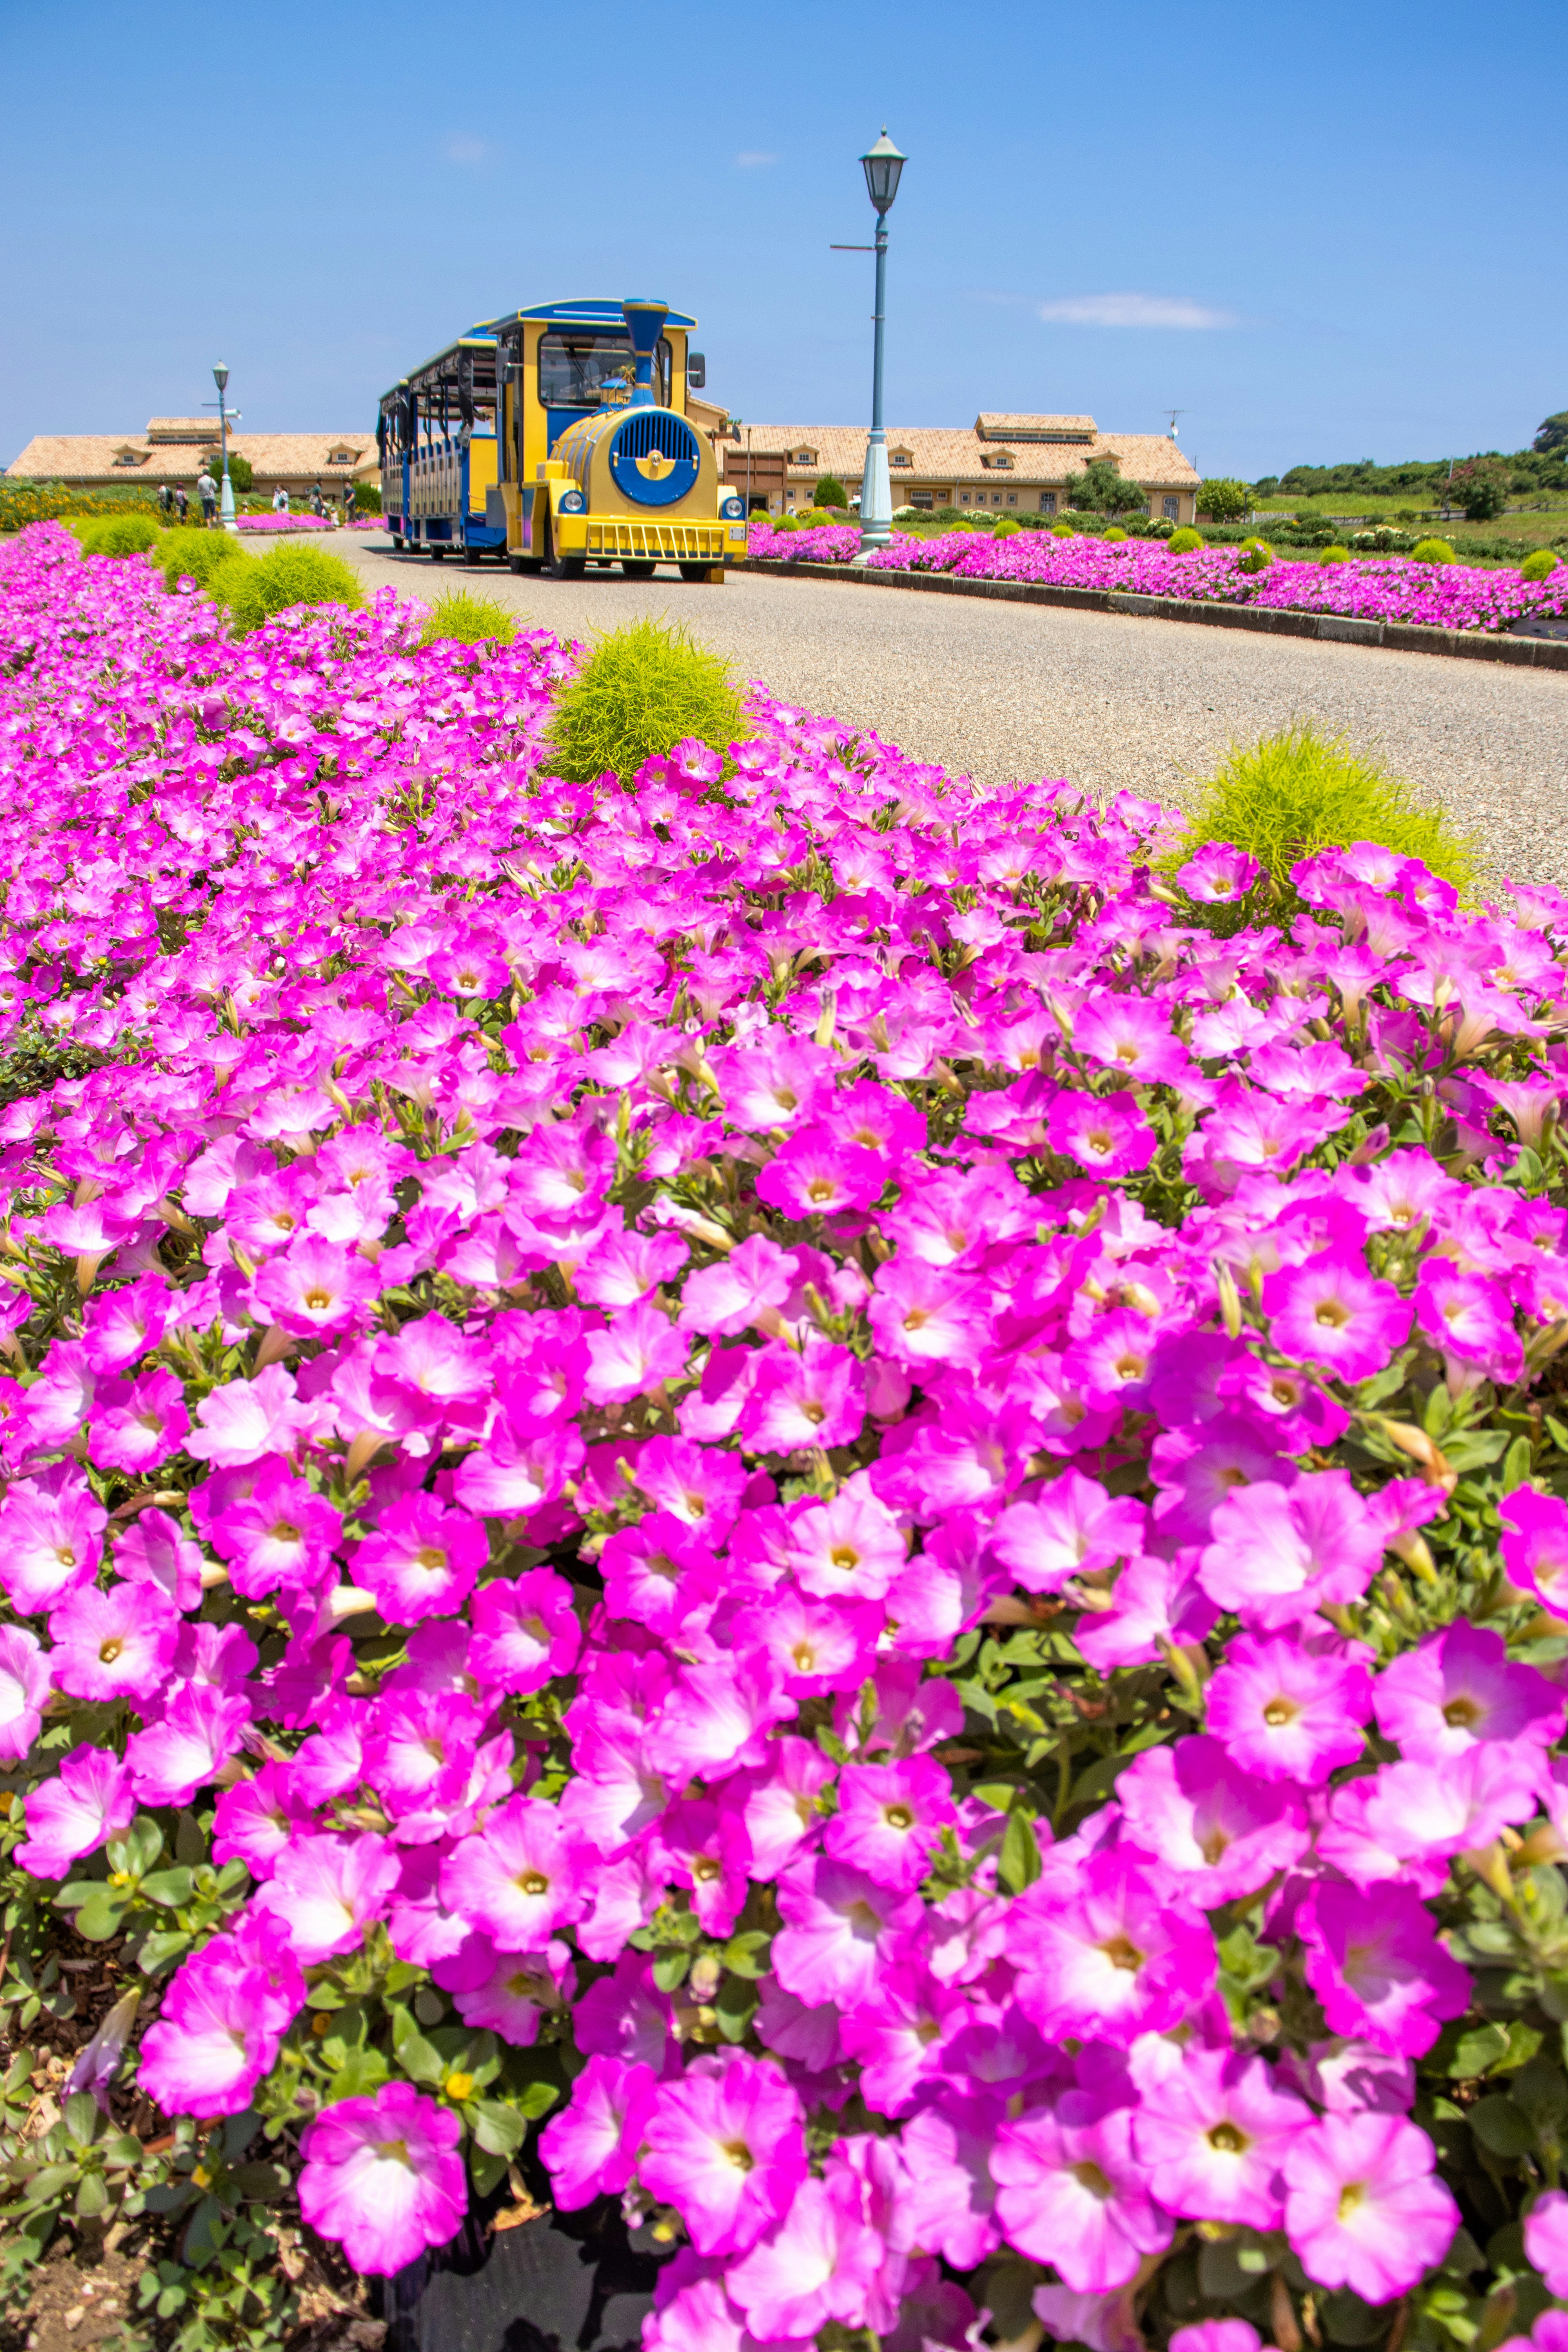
(575, 365)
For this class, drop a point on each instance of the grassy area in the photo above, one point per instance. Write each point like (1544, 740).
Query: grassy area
(1523, 521)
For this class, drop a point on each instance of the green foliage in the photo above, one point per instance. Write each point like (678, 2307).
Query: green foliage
(1265, 486)
(1335, 555)
(786, 522)
(1115, 531)
(1257, 555)
(125, 534)
(1102, 488)
(1539, 566)
(830, 492)
(23, 501)
(1225, 500)
(1288, 795)
(1554, 434)
(286, 576)
(1480, 486)
(195, 554)
(641, 691)
(241, 473)
(469, 620)
(1063, 530)
(366, 497)
(1186, 541)
(1431, 551)
(1006, 525)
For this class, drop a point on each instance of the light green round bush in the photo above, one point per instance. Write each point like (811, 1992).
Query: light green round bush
(1063, 530)
(254, 591)
(1257, 555)
(785, 522)
(1184, 542)
(194, 554)
(129, 534)
(1335, 555)
(1432, 550)
(1005, 526)
(643, 689)
(1115, 531)
(468, 619)
(1539, 566)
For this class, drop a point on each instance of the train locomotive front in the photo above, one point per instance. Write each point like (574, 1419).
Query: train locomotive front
(595, 460)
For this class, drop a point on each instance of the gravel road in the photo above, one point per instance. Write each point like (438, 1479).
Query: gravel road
(1004, 691)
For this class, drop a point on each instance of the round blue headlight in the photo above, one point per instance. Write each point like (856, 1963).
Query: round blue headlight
(732, 509)
(572, 502)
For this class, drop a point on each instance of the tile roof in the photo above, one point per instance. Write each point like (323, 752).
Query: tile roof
(181, 428)
(1150, 459)
(90, 456)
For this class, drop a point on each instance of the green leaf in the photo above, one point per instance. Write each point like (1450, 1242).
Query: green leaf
(486, 2172)
(498, 2129)
(669, 1970)
(419, 2059)
(92, 2197)
(1503, 2129)
(156, 1949)
(1018, 1866)
(1517, 1465)
(1541, 2091)
(401, 1975)
(747, 1955)
(142, 1845)
(82, 2117)
(258, 2184)
(168, 1888)
(100, 1916)
(1477, 2052)
(1558, 1434)
(537, 2098)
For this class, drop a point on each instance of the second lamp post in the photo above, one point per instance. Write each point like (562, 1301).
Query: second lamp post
(882, 165)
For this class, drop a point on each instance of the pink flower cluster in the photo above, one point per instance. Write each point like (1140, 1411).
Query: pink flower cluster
(271, 524)
(813, 1465)
(1381, 588)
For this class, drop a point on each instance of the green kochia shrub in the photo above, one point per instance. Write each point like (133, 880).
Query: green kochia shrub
(1432, 550)
(830, 492)
(1288, 795)
(1335, 555)
(1006, 525)
(255, 589)
(1184, 542)
(1539, 566)
(469, 620)
(129, 534)
(641, 691)
(194, 554)
(1257, 555)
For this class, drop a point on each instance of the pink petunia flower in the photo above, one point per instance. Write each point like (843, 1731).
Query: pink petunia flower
(115, 1644)
(88, 1800)
(1374, 1962)
(725, 2147)
(818, 2266)
(1214, 2134)
(423, 1560)
(890, 1818)
(326, 1891)
(383, 2178)
(591, 2149)
(1074, 2193)
(523, 1875)
(25, 1675)
(1363, 2207)
(1286, 1712)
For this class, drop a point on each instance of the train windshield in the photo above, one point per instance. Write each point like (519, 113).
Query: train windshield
(575, 364)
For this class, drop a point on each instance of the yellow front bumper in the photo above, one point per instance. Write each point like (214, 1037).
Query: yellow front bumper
(674, 542)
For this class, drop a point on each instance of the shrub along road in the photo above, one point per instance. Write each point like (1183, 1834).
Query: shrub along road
(1008, 690)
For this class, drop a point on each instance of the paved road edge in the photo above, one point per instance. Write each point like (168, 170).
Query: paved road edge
(1398, 637)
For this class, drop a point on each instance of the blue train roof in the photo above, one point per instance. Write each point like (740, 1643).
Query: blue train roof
(581, 314)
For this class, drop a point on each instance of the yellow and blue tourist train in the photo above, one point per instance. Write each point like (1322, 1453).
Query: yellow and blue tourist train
(558, 437)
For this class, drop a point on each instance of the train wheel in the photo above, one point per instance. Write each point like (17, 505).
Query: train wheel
(437, 555)
(472, 555)
(397, 541)
(567, 567)
(524, 563)
(703, 574)
(640, 569)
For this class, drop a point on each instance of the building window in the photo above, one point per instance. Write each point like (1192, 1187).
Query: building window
(899, 458)
(1012, 498)
(1173, 509)
(922, 499)
(1047, 502)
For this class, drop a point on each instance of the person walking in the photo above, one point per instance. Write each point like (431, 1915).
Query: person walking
(166, 502)
(348, 504)
(206, 490)
(280, 501)
(182, 500)
(318, 504)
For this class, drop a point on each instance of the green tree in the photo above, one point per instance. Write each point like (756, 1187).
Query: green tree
(1225, 500)
(1554, 434)
(241, 473)
(830, 492)
(1266, 486)
(1480, 486)
(1104, 490)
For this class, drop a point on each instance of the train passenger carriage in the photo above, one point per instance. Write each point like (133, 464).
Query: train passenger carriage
(559, 438)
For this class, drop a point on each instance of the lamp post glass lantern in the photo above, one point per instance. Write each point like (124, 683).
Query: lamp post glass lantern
(883, 165)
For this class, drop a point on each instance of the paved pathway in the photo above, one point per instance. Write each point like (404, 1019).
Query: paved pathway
(1002, 691)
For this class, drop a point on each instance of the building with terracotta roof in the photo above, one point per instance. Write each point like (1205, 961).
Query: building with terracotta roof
(175, 449)
(1005, 462)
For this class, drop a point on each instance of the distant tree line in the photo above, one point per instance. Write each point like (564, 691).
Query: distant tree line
(1484, 479)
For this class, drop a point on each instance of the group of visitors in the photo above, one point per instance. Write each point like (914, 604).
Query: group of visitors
(174, 504)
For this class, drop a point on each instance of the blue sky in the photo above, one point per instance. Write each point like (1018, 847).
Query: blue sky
(1324, 232)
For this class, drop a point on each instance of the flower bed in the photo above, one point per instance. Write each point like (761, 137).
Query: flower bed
(1386, 588)
(769, 1471)
(273, 523)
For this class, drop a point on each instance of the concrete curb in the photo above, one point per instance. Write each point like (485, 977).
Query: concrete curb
(1397, 637)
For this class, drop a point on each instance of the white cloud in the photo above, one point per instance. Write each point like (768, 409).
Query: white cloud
(1132, 310)
(752, 159)
(463, 149)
